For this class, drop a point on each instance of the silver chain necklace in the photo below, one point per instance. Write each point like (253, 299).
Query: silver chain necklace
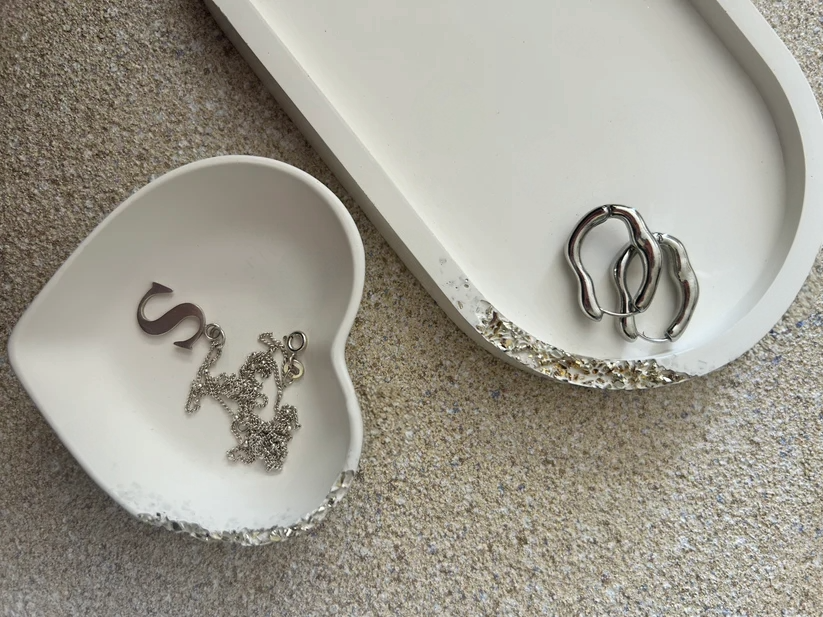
(256, 438)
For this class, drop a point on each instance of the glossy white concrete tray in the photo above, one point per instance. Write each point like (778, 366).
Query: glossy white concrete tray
(475, 135)
(261, 247)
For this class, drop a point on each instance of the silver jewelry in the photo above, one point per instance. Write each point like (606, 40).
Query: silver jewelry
(641, 239)
(172, 318)
(680, 270)
(256, 438)
(649, 247)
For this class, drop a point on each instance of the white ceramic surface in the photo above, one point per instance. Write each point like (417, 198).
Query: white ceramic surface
(259, 246)
(476, 135)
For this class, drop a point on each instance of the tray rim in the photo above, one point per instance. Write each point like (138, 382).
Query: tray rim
(342, 483)
(752, 42)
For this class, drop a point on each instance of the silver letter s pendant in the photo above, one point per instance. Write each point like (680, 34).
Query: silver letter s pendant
(172, 318)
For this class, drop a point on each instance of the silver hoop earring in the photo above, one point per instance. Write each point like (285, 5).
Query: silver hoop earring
(650, 247)
(640, 238)
(681, 272)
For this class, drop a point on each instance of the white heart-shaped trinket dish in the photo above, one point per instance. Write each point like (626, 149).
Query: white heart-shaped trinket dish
(258, 246)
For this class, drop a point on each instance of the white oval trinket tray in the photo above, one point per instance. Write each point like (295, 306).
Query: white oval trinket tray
(475, 135)
(260, 246)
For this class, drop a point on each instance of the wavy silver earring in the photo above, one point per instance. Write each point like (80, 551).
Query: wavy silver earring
(650, 248)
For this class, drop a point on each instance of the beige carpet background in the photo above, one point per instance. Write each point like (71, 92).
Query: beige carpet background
(483, 490)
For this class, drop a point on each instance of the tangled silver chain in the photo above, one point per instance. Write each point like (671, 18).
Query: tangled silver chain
(256, 438)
